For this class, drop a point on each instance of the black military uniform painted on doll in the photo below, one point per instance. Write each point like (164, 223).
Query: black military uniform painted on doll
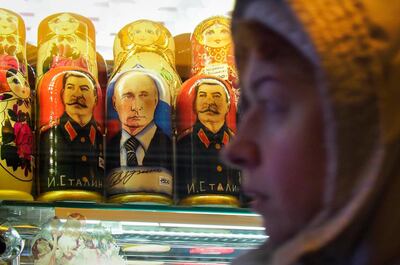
(76, 160)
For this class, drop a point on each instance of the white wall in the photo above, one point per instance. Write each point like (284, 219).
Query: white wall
(109, 16)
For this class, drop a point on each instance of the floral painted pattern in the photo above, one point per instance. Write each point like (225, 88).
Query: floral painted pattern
(17, 140)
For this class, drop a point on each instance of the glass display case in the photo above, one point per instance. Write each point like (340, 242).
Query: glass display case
(144, 234)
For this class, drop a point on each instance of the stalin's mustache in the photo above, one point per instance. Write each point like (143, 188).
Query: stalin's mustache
(210, 108)
(80, 101)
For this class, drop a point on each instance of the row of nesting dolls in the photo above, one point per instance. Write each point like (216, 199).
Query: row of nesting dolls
(145, 138)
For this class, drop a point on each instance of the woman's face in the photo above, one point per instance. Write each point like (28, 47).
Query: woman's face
(280, 141)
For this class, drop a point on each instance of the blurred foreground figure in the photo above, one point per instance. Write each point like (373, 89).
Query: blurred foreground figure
(319, 134)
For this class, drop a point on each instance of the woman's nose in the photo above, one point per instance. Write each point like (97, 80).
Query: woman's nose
(241, 153)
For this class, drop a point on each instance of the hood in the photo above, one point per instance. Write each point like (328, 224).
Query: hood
(355, 47)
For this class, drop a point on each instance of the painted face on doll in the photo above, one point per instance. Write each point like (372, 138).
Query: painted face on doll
(79, 96)
(64, 24)
(18, 84)
(144, 33)
(211, 105)
(216, 36)
(280, 141)
(8, 23)
(135, 99)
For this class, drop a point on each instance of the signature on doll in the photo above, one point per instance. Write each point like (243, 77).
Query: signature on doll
(124, 177)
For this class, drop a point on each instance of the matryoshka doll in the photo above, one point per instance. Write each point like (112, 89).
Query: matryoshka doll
(149, 45)
(70, 111)
(16, 140)
(140, 96)
(212, 50)
(139, 163)
(206, 122)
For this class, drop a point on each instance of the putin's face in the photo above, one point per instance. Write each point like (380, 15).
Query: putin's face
(135, 99)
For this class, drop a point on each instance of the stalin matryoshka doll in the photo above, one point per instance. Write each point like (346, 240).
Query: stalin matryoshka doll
(70, 111)
(16, 140)
(212, 50)
(206, 122)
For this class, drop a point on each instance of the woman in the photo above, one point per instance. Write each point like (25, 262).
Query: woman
(319, 138)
